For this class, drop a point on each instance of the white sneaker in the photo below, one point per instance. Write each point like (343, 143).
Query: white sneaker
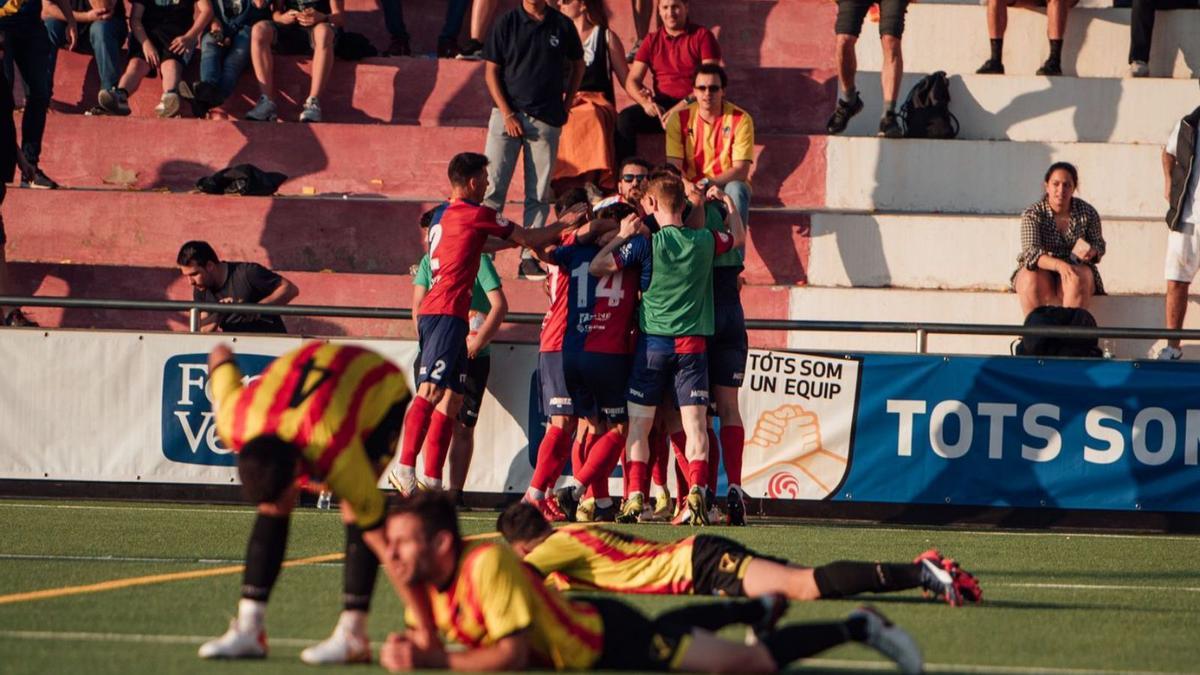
(405, 485)
(1139, 69)
(168, 105)
(341, 647)
(890, 640)
(263, 111)
(236, 644)
(1169, 353)
(312, 110)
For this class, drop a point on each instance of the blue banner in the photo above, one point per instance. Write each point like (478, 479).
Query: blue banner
(1023, 432)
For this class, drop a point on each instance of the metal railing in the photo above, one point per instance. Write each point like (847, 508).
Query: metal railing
(920, 330)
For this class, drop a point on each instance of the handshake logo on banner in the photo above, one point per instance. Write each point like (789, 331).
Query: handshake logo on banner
(799, 412)
(189, 429)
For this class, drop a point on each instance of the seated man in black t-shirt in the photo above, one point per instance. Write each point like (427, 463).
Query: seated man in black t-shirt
(233, 282)
(163, 37)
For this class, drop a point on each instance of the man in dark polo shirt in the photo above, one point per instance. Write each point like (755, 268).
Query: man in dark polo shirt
(534, 67)
(233, 282)
(672, 53)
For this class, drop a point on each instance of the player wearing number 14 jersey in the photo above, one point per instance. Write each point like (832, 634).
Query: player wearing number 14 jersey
(332, 412)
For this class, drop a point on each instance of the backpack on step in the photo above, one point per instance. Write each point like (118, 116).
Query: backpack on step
(1048, 315)
(926, 111)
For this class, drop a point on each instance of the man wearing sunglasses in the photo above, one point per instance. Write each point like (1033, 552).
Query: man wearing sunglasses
(632, 179)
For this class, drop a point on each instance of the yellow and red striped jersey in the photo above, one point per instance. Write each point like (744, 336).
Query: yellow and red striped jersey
(494, 595)
(708, 150)
(325, 399)
(583, 557)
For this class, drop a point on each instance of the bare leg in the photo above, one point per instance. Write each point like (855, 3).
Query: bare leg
(322, 58)
(765, 577)
(462, 448)
(261, 37)
(642, 11)
(1177, 299)
(847, 61)
(170, 72)
(707, 653)
(1035, 288)
(1056, 18)
(1078, 290)
(134, 73)
(482, 12)
(893, 67)
(997, 18)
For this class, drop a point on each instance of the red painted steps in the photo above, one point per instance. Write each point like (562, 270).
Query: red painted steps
(316, 288)
(446, 92)
(394, 160)
(360, 236)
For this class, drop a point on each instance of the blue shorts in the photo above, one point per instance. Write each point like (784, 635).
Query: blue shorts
(443, 344)
(556, 397)
(596, 383)
(657, 363)
(728, 347)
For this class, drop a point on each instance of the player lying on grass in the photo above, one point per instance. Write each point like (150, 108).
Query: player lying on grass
(484, 598)
(333, 413)
(594, 557)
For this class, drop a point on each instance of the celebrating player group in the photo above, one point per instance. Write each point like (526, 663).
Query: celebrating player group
(644, 324)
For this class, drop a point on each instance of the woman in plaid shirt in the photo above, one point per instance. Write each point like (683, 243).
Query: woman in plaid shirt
(1061, 242)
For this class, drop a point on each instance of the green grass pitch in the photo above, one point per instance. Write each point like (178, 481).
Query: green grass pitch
(1053, 602)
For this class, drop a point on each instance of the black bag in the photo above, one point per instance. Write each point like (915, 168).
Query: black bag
(926, 111)
(1049, 315)
(243, 179)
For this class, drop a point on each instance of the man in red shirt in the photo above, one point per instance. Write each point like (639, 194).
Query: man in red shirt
(672, 53)
(455, 245)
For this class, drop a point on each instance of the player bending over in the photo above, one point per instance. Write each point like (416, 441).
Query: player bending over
(594, 557)
(331, 412)
(484, 598)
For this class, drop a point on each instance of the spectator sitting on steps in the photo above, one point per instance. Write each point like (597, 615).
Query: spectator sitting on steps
(102, 31)
(1061, 242)
(233, 282)
(316, 23)
(225, 52)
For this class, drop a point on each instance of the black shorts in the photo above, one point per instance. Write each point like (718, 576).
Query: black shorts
(474, 388)
(718, 565)
(851, 13)
(299, 40)
(634, 642)
(729, 347)
(161, 37)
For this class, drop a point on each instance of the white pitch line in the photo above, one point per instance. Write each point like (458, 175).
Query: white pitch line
(820, 663)
(211, 511)
(1102, 587)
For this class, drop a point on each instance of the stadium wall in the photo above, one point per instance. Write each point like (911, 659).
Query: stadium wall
(897, 431)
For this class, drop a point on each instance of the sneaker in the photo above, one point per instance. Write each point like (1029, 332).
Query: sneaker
(604, 514)
(471, 51)
(548, 509)
(405, 485)
(991, 67)
(776, 605)
(114, 101)
(531, 270)
(699, 509)
(585, 512)
(447, 48)
(631, 511)
(1051, 68)
(168, 105)
(842, 114)
(662, 505)
(37, 180)
(735, 506)
(1139, 69)
(890, 640)
(397, 47)
(263, 111)
(341, 647)
(632, 53)
(312, 110)
(1169, 353)
(17, 319)
(889, 126)
(945, 578)
(567, 502)
(683, 514)
(236, 644)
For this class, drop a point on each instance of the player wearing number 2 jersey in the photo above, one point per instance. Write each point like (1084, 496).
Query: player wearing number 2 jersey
(675, 316)
(332, 412)
(455, 244)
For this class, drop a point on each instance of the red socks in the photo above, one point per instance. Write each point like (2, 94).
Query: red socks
(639, 477)
(733, 443)
(437, 445)
(552, 457)
(659, 457)
(602, 458)
(416, 423)
(698, 472)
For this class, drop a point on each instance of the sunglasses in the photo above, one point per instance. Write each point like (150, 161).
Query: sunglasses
(708, 87)
(631, 177)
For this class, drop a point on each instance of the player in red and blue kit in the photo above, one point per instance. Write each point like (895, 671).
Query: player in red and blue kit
(675, 317)
(455, 245)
